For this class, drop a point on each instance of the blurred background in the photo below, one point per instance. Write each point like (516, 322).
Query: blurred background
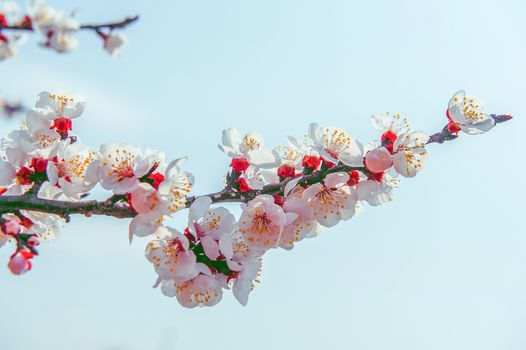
(441, 267)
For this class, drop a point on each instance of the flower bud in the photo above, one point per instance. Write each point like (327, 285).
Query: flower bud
(378, 160)
(19, 262)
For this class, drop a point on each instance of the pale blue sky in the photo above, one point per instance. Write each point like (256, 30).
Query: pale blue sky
(441, 267)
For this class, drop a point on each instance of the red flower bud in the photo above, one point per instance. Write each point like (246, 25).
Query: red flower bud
(26, 22)
(279, 200)
(378, 177)
(23, 176)
(239, 164)
(39, 164)
(286, 171)
(3, 20)
(62, 125)
(312, 162)
(388, 139)
(157, 178)
(354, 178)
(243, 185)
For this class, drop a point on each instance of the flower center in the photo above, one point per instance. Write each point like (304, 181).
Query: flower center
(471, 109)
(261, 222)
(326, 196)
(336, 141)
(251, 143)
(122, 166)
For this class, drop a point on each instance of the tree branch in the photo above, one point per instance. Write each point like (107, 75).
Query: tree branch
(115, 206)
(112, 25)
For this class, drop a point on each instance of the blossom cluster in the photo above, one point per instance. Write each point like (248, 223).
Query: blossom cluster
(58, 29)
(287, 193)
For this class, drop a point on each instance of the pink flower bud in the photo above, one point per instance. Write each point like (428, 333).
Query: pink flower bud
(19, 262)
(378, 160)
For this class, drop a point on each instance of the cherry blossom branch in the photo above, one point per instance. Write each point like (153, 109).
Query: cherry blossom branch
(291, 192)
(108, 207)
(115, 206)
(450, 132)
(97, 27)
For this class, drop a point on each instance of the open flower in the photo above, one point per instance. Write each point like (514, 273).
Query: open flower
(212, 226)
(244, 282)
(67, 168)
(409, 153)
(331, 201)
(9, 45)
(203, 290)
(335, 145)
(171, 256)
(262, 222)
(58, 28)
(248, 146)
(55, 111)
(150, 209)
(468, 113)
(114, 44)
(377, 192)
(176, 186)
(46, 226)
(305, 223)
(293, 153)
(120, 166)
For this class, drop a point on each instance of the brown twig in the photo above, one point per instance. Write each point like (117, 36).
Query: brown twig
(112, 25)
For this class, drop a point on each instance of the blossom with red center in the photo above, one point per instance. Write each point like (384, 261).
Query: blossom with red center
(211, 226)
(171, 256)
(239, 164)
(377, 192)
(202, 290)
(249, 146)
(262, 222)
(55, 111)
(335, 145)
(405, 146)
(120, 167)
(304, 225)
(150, 209)
(68, 168)
(467, 112)
(410, 154)
(331, 201)
(20, 263)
